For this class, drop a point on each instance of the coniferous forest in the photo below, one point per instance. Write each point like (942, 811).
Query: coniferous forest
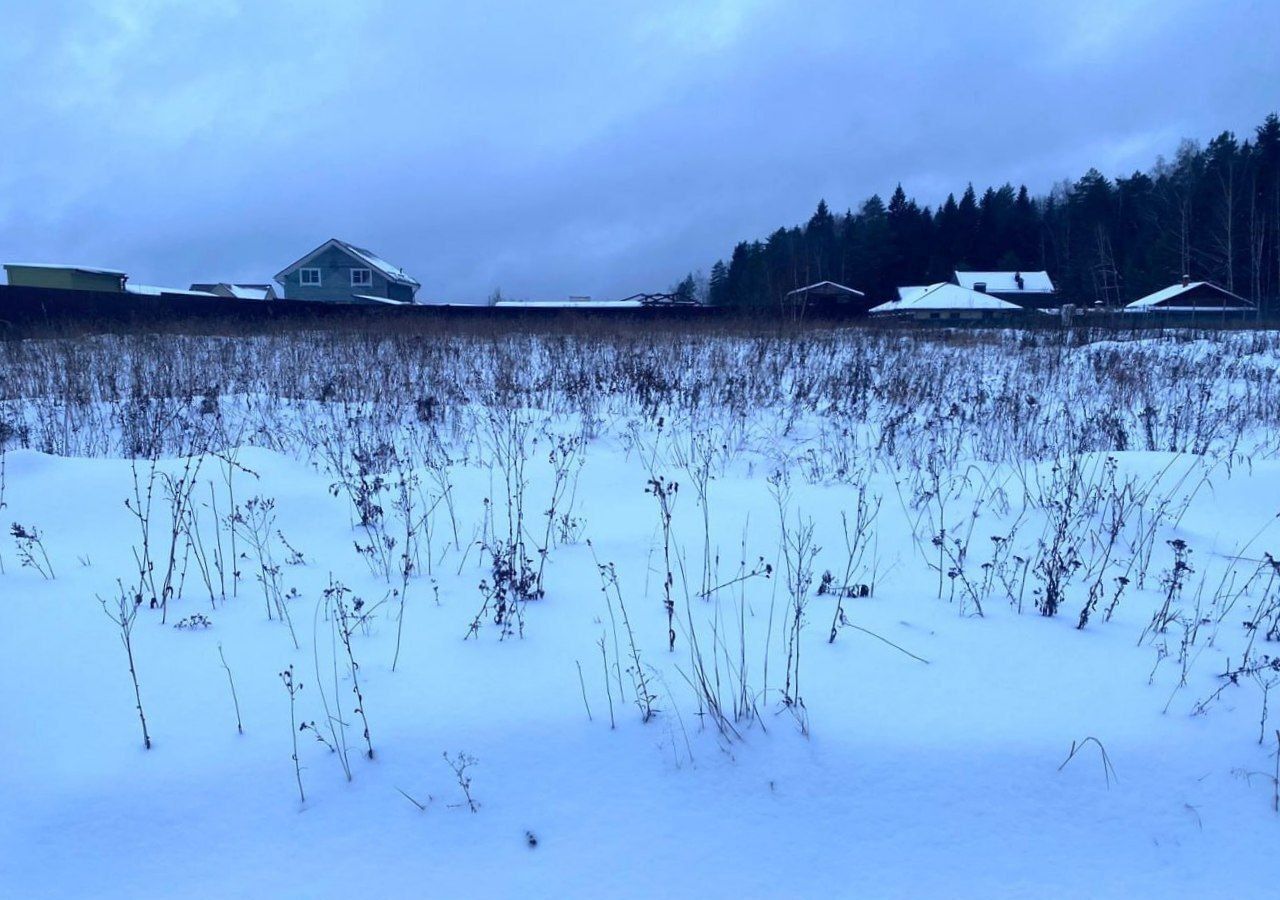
(1212, 212)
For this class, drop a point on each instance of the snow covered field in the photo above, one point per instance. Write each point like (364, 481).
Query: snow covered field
(567, 614)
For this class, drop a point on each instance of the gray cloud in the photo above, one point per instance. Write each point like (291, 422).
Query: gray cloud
(570, 147)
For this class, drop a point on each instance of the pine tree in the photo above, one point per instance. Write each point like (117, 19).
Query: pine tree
(718, 286)
(1212, 213)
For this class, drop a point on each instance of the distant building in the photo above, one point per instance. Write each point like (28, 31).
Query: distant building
(338, 272)
(63, 277)
(1030, 290)
(238, 291)
(1192, 298)
(153, 290)
(946, 301)
(571, 303)
(827, 296)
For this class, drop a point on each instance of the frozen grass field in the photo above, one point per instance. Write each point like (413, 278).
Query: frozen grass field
(615, 613)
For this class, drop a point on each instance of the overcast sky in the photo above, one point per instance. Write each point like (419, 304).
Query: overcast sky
(560, 148)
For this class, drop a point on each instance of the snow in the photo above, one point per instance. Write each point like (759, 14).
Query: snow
(906, 293)
(936, 759)
(944, 296)
(1006, 282)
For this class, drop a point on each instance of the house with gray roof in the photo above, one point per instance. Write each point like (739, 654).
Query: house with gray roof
(338, 272)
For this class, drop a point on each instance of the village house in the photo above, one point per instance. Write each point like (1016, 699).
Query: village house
(946, 301)
(338, 272)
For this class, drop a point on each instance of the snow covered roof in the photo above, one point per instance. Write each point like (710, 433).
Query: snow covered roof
(251, 291)
(371, 298)
(944, 296)
(89, 270)
(1007, 282)
(827, 286)
(369, 258)
(1161, 298)
(906, 293)
(570, 304)
(151, 290)
(237, 291)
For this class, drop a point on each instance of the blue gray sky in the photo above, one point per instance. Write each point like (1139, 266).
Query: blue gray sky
(564, 148)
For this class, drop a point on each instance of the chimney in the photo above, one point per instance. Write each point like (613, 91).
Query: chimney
(1186, 280)
(980, 287)
(1017, 277)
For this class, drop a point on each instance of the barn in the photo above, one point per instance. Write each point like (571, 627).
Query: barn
(1191, 298)
(828, 297)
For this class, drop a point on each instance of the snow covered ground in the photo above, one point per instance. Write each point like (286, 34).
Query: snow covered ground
(865, 697)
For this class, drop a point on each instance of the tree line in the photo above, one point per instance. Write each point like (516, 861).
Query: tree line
(1213, 213)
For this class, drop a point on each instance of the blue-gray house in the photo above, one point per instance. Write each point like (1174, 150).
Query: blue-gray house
(338, 272)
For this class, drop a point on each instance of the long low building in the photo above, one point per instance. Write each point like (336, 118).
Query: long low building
(65, 277)
(946, 301)
(54, 276)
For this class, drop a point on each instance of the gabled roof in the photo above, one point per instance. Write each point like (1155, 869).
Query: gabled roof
(945, 296)
(366, 257)
(1007, 282)
(1163, 297)
(829, 286)
(906, 293)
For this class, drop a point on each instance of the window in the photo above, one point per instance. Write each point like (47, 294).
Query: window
(361, 277)
(310, 277)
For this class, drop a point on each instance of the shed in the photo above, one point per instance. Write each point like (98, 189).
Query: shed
(65, 277)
